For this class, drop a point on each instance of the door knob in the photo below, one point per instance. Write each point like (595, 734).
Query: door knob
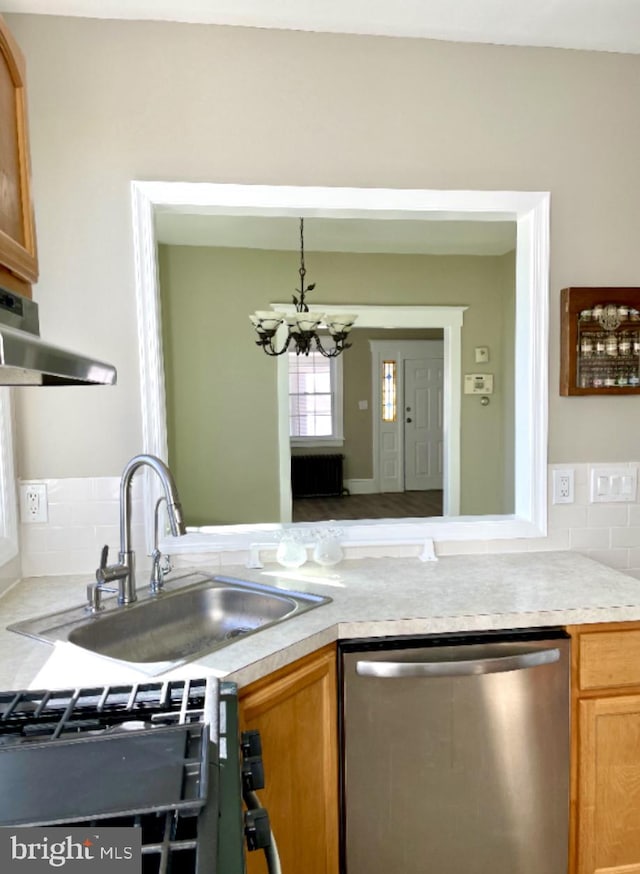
(408, 420)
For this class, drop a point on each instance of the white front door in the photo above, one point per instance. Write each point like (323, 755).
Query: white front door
(422, 410)
(415, 460)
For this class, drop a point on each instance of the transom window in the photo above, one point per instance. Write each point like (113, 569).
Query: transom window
(315, 399)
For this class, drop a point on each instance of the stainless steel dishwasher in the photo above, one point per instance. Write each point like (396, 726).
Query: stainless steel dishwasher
(455, 754)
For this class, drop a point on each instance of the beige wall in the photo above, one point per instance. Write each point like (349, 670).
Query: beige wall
(115, 101)
(221, 389)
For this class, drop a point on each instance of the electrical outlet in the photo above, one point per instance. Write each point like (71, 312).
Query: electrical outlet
(563, 486)
(33, 503)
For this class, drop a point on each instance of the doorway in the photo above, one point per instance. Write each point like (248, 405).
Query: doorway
(406, 379)
(407, 392)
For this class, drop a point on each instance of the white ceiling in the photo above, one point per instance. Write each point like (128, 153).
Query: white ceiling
(427, 237)
(604, 25)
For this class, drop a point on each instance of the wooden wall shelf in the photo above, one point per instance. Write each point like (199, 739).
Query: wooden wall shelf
(600, 341)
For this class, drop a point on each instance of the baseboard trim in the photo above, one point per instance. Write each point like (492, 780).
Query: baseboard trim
(360, 486)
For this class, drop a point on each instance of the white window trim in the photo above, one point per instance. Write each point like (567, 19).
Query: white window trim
(530, 209)
(449, 319)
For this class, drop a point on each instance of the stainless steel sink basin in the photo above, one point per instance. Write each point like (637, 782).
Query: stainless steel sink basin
(202, 614)
(188, 622)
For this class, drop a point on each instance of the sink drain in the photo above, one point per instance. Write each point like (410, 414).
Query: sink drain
(236, 632)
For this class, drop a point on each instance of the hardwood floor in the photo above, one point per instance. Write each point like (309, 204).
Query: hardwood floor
(390, 505)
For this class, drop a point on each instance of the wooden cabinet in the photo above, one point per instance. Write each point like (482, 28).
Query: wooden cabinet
(18, 261)
(605, 835)
(295, 710)
(600, 341)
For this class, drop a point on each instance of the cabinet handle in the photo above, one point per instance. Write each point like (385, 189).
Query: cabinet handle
(493, 665)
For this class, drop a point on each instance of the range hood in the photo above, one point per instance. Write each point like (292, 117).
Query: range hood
(25, 359)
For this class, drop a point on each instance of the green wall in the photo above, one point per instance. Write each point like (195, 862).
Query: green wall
(221, 389)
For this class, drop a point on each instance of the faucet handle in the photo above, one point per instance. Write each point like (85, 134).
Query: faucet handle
(109, 573)
(100, 572)
(104, 555)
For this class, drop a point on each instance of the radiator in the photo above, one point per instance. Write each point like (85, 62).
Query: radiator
(315, 476)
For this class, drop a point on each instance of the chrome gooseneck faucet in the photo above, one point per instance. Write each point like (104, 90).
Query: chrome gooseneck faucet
(124, 570)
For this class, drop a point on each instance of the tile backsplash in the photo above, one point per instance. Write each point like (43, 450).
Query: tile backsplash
(607, 532)
(83, 515)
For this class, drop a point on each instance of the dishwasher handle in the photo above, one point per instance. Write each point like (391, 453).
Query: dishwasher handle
(472, 667)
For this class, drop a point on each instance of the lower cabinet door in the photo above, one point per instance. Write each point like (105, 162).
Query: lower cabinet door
(295, 710)
(609, 786)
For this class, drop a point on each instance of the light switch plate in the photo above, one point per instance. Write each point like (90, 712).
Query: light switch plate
(481, 354)
(613, 484)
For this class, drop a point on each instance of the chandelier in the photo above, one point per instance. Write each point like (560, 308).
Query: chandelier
(302, 326)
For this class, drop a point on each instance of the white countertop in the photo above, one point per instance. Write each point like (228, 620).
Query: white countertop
(371, 598)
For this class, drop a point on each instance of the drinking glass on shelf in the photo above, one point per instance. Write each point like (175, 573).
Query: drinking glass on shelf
(586, 346)
(624, 345)
(611, 346)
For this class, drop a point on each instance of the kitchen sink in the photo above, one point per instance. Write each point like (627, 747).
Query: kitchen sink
(204, 613)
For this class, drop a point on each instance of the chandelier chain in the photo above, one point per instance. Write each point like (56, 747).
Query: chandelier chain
(301, 306)
(302, 332)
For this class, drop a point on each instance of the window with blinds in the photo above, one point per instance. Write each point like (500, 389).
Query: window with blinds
(315, 398)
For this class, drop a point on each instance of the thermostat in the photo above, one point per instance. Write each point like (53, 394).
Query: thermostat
(478, 383)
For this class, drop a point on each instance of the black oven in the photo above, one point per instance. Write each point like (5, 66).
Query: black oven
(183, 737)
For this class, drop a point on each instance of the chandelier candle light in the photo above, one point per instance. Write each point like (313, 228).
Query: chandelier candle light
(302, 325)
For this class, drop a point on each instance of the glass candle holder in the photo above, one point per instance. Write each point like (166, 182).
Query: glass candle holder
(291, 551)
(328, 550)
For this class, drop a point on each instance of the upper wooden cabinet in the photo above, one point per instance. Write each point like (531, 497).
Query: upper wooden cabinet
(18, 258)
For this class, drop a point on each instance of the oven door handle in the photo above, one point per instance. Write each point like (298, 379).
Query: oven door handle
(473, 667)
